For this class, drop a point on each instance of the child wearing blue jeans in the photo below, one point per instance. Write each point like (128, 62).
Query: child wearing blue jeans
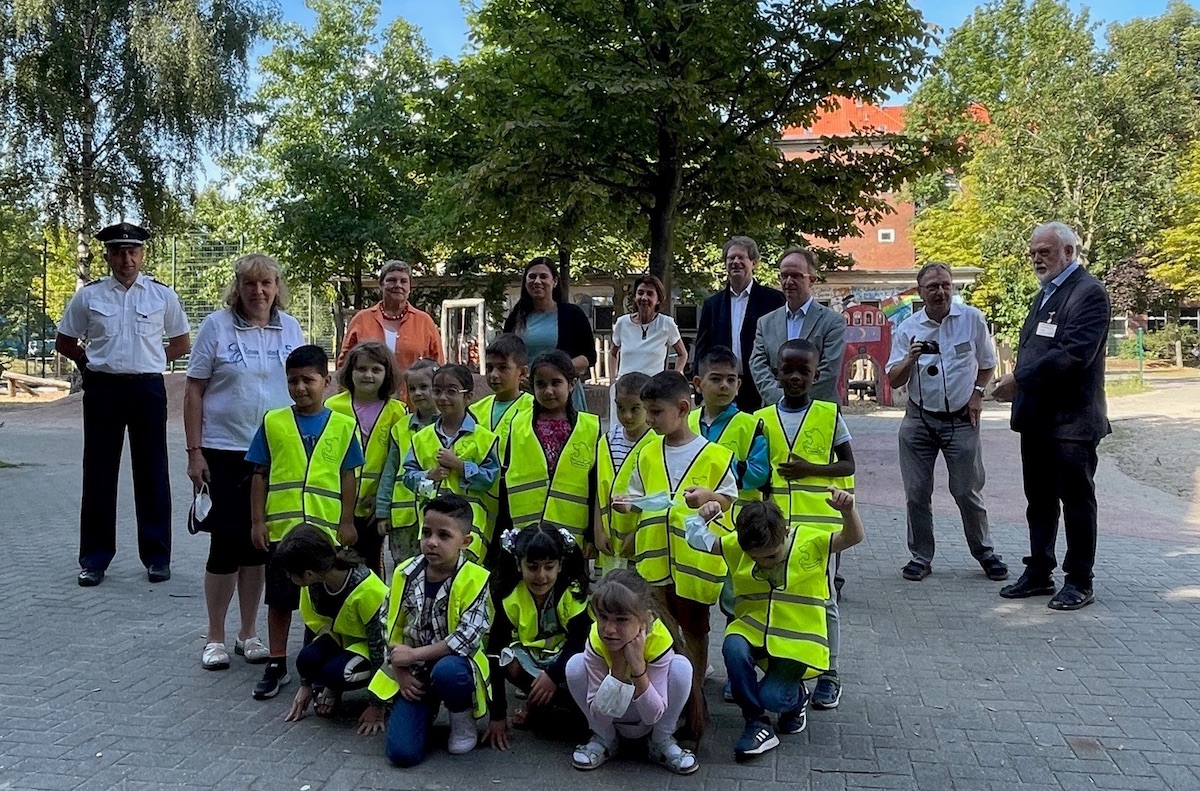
(438, 615)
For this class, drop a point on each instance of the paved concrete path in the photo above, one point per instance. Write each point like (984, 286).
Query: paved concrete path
(947, 685)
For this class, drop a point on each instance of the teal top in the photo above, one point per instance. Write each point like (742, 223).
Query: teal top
(541, 334)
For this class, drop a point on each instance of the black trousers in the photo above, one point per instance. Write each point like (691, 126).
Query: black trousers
(113, 404)
(1058, 471)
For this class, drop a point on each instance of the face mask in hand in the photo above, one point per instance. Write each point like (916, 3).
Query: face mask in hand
(426, 489)
(659, 501)
(202, 505)
(612, 697)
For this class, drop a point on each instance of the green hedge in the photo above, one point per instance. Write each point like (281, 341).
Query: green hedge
(1160, 344)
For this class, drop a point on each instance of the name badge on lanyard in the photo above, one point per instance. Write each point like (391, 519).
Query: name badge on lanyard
(1047, 328)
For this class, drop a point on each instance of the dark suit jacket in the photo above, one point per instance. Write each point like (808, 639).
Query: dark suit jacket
(714, 330)
(1060, 380)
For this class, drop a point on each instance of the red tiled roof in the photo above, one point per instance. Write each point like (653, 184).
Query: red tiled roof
(848, 115)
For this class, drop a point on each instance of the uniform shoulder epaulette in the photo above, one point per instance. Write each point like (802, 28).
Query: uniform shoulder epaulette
(94, 282)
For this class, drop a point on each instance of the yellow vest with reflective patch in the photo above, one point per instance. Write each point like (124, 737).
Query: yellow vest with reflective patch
(404, 502)
(737, 436)
(662, 550)
(481, 410)
(473, 447)
(658, 642)
(803, 500)
(469, 581)
(348, 629)
(563, 501)
(788, 621)
(374, 446)
(613, 482)
(523, 613)
(301, 488)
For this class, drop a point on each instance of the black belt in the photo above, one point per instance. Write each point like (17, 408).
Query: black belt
(122, 377)
(962, 413)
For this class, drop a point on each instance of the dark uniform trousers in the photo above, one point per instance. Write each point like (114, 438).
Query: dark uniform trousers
(113, 403)
(1060, 471)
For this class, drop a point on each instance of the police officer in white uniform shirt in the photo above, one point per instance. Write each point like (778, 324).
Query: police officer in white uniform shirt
(113, 329)
(945, 356)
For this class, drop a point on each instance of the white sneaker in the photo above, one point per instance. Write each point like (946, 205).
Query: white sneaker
(463, 736)
(215, 657)
(252, 649)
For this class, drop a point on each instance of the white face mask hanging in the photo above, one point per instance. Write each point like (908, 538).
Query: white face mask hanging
(659, 501)
(201, 507)
(612, 697)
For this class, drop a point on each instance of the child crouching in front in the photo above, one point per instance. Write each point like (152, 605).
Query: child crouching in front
(437, 618)
(781, 579)
(630, 681)
(343, 605)
(542, 600)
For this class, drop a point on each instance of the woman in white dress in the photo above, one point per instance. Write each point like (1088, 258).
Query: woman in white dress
(642, 341)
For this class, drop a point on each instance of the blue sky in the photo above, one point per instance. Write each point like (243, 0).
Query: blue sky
(444, 27)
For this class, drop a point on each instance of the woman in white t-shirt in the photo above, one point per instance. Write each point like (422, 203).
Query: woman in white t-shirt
(235, 374)
(642, 341)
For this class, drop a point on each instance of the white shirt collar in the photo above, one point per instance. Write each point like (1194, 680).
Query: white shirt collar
(745, 292)
(955, 310)
(140, 281)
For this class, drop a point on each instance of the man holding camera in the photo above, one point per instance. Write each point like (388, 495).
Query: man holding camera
(945, 357)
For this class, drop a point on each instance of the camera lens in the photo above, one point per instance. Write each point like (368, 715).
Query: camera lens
(932, 370)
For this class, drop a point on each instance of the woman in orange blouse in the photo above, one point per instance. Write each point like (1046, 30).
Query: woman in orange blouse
(410, 333)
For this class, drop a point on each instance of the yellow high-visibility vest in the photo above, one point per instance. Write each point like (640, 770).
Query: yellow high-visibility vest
(302, 488)
(481, 410)
(737, 436)
(532, 496)
(348, 629)
(788, 621)
(473, 447)
(613, 482)
(404, 502)
(523, 613)
(803, 500)
(663, 553)
(374, 446)
(469, 581)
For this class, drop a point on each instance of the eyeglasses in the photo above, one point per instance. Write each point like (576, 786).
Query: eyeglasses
(439, 392)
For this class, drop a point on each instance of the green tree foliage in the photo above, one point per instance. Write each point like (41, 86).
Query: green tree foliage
(20, 266)
(1176, 251)
(110, 103)
(638, 118)
(1057, 128)
(338, 166)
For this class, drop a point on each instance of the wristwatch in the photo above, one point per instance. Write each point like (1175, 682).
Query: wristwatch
(979, 389)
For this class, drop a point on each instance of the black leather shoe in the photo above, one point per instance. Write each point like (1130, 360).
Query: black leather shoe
(994, 568)
(159, 573)
(1027, 586)
(1071, 598)
(90, 578)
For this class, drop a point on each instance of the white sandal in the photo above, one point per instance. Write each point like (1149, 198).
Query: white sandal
(593, 754)
(215, 657)
(670, 755)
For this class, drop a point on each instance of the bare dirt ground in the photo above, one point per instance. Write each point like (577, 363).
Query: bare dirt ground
(1156, 438)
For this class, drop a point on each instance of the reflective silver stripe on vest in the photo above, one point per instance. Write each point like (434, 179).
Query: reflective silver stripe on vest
(524, 487)
(372, 476)
(654, 553)
(275, 517)
(323, 492)
(279, 487)
(781, 596)
(699, 573)
(807, 487)
(570, 498)
(786, 634)
(816, 519)
(572, 529)
(654, 520)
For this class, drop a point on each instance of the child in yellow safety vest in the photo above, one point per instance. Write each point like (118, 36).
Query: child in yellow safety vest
(438, 614)
(368, 382)
(633, 680)
(541, 621)
(810, 450)
(395, 509)
(679, 475)
(550, 463)
(344, 607)
(619, 449)
(780, 585)
(304, 459)
(455, 454)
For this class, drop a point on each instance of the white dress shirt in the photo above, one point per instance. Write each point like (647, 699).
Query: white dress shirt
(124, 327)
(795, 319)
(966, 349)
(244, 367)
(738, 304)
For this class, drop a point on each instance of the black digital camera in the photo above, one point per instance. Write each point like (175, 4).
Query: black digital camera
(929, 347)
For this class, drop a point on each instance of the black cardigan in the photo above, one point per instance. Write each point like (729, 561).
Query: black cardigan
(574, 332)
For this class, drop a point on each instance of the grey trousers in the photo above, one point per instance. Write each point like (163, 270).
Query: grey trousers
(921, 437)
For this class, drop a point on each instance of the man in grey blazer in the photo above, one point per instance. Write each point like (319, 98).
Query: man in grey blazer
(801, 317)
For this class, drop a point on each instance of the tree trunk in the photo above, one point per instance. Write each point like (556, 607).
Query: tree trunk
(564, 271)
(662, 245)
(359, 295)
(85, 223)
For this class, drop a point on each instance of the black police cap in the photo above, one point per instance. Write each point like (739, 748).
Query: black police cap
(123, 234)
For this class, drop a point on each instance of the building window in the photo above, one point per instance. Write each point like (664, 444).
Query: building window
(886, 235)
